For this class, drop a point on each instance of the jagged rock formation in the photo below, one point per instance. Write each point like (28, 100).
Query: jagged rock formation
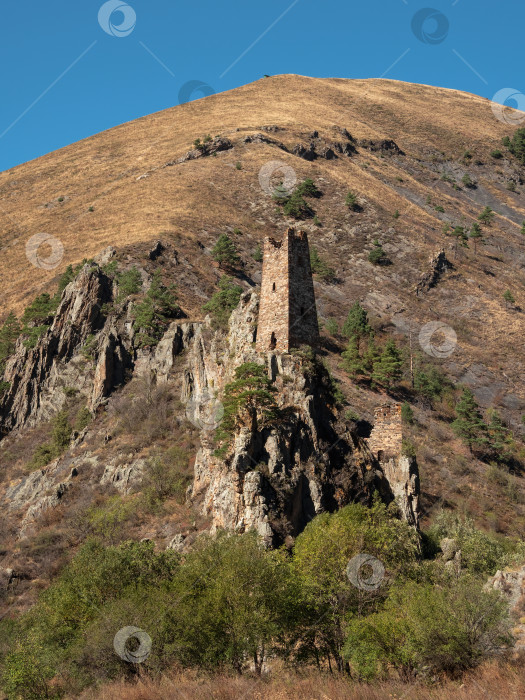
(438, 265)
(274, 479)
(277, 479)
(36, 375)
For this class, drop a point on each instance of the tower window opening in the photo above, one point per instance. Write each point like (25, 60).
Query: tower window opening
(273, 341)
(273, 287)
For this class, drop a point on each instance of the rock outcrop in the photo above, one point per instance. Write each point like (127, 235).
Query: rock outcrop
(276, 479)
(36, 375)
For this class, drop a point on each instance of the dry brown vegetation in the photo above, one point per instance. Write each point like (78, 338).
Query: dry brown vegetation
(492, 680)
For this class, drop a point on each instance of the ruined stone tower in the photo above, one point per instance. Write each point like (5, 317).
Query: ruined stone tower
(287, 312)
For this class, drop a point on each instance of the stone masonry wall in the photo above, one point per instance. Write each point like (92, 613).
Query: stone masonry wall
(287, 312)
(387, 434)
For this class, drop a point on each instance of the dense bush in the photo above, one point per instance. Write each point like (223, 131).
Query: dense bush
(230, 602)
(224, 301)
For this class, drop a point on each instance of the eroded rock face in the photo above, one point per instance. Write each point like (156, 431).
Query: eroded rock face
(274, 479)
(36, 375)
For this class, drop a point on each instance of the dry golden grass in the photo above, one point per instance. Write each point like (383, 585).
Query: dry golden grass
(491, 681)
(101, 171)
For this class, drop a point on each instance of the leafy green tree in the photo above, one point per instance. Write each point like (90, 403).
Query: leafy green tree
(320, 267)
(476, 235)
(469, 424)
(356, 323)
(351, 202)
(509, 299)
(426, 628)
(154, 313)
(224, 301)
(248, 401)
(321, 559)
(486, 216)
(387, 370)
(225, 253)
(516, 145)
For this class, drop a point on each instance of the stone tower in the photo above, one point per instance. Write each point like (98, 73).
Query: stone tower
(287, 312)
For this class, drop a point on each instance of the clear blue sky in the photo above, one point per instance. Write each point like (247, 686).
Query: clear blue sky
(64, 78)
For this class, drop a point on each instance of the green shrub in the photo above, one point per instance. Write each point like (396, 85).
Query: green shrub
(407, 414)
(440, 209)
(377, 255)
(224, 301)
(297, 207)
(60, 437)
(320, 267)
(167, 476)
(307, 188)
(9, 333)
(129, 282)
(427, 629)
(257, 254)
(351, 202)
(154, 313)
(516, 145)
(497, 154)
(332, 326)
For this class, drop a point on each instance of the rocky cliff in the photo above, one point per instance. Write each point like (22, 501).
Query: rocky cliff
(274, 479)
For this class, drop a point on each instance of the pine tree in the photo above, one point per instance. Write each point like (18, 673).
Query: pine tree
(509, 299)
(522, 231)
(257, 254)
(469, 424)
(281, 194)
(388, 369)
(476, 235)
(352, 360)
(153, 313)
(486, 215)
(224, 252)
(66, 278)
(377, 255)
(224, 301)
(460, 236)
(356, 324)
(500, 438)
(371, 356)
